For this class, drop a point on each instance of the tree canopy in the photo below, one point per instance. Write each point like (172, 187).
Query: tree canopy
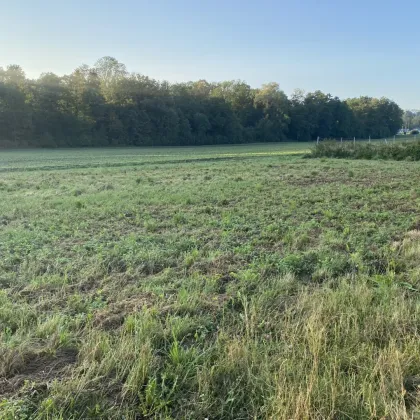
(411, 119)
(105, 105)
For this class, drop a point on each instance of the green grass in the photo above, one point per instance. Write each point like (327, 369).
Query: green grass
(222, 283)
(113, 157)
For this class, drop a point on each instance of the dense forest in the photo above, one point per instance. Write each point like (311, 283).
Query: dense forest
(104, 105)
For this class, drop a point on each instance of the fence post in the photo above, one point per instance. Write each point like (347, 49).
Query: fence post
(354, 141)
(369, 139)
(341, 139)
(317, 140)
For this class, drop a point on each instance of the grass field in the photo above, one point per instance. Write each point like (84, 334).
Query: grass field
(237, 282)
(37, 159)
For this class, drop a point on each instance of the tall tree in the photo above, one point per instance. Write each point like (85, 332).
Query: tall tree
(274, 108)
(110, 71)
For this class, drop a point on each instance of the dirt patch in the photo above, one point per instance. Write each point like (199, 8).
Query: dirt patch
(222, 264)
(208, 305)
(333, 178)
(223, 281)
(40, 368)
(412, 390)
(113, 315)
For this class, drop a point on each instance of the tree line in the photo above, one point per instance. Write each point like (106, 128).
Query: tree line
(411, 119)
(105, 105)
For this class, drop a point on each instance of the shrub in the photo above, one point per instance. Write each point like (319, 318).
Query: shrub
(362, 150)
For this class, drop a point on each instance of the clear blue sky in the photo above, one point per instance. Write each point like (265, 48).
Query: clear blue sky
(347, 48)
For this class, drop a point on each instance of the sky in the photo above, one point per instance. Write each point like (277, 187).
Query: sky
(346, 48)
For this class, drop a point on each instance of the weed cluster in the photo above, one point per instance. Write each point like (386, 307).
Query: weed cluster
(409, 150)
